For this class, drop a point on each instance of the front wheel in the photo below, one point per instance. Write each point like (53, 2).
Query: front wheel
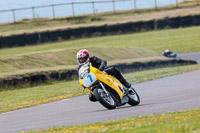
(134, 98)
(106, 100)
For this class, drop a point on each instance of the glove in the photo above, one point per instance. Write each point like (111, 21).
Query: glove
(102, 67)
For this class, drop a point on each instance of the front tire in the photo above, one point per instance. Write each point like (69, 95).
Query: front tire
(134, 98)
(106, 100)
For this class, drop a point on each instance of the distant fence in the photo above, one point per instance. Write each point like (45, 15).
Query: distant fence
(91, 6)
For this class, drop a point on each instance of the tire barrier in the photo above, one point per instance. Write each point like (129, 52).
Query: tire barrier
(54, 75)
(137, 26)
(186, 21)
(66, 34)
(153, 64)
(34, 79)
(7, 41)
(195, 20)
(20, 40)
(32, 38)
(148, 25)
(161, 24)
(173, 22)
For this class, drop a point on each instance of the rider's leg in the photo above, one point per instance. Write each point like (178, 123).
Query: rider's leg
(117, 74)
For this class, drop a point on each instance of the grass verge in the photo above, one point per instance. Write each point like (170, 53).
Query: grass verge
(27, 97)
(171, 122)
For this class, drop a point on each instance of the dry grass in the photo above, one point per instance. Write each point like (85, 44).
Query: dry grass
(23, 72)
(62, 58)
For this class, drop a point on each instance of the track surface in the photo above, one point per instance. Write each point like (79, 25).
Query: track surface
(175, 93)
(194, 56)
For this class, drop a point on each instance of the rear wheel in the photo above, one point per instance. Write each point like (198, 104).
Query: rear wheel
(134, 98)
(106, 100)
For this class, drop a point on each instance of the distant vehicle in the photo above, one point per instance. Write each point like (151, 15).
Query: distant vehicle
(106, 88)
(170, 54)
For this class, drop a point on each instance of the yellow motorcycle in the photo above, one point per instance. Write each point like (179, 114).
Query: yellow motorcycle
(106, 88)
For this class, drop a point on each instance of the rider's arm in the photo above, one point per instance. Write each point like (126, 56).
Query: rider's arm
(101, 63)
(170, 52)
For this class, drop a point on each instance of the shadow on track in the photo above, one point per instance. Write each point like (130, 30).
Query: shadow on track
(118, 108)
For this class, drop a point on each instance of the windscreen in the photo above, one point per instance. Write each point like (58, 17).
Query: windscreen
(84, 70)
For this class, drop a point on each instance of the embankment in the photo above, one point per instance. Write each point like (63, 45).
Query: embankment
(119, 28)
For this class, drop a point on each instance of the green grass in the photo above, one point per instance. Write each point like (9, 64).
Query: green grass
(179, 40)
(26, 97)
(171, 122)
(31, 96)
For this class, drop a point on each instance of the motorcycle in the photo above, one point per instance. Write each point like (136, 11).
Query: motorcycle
(172, 55)
(106, 88)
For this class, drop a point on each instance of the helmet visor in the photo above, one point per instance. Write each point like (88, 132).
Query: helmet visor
(83, 60)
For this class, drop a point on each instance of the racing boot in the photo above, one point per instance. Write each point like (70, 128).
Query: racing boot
(127, 85)
(117, 74)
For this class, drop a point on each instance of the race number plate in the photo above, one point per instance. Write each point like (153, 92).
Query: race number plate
(89, 80)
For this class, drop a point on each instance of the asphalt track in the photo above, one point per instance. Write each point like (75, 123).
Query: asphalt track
(174, 93)
(194, 56)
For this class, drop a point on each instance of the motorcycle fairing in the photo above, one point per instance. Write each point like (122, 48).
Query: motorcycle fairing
(105, 78)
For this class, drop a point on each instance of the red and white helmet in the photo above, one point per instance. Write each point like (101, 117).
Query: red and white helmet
(166, 51)
(83, 56)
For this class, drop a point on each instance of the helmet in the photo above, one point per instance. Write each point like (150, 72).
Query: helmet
(83, 56)
(167, 51)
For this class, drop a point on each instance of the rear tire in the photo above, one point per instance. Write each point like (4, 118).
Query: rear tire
(106, 101)
(134, 98)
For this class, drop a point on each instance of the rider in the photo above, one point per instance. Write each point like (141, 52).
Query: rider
(168, 53)
(83, 57)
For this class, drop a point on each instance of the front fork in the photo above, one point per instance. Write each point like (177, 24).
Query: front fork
(103, 87)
